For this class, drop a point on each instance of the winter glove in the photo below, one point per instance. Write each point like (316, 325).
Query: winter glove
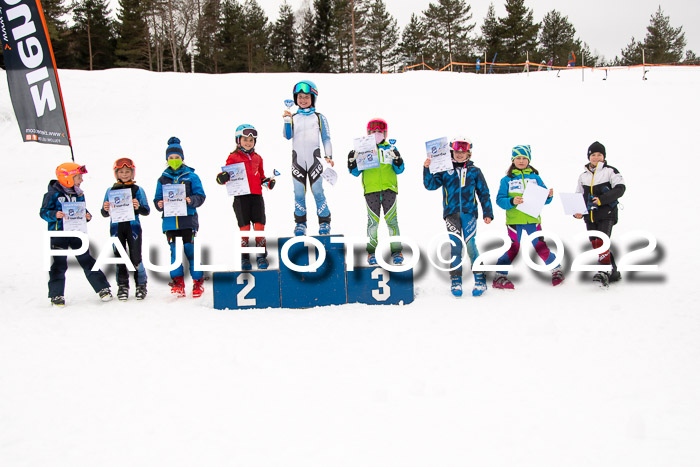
(222, 178)
(270, 182)
(352, 163)
(397, 159)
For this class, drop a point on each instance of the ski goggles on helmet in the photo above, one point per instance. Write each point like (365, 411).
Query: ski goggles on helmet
(124, 162)
(462, 146)
(249, 132)
(376, 125)
(74, 171)
(306, 88)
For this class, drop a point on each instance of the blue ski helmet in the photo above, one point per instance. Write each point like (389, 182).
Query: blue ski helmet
(307, 87)
(245, 130)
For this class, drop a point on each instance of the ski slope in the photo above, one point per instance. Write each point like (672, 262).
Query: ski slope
(540, 376)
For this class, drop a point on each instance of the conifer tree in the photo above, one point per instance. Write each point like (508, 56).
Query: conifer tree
(283, 40)
(132, 49)
(412, 42)
(54, 11)
(519, 32)
(92, 36)
(256, 36)
(318, 43)
(381, 35)
(449, 20)
(230, 37)
(208, 54)
(490, 41)
(557, 38)
(663, 43)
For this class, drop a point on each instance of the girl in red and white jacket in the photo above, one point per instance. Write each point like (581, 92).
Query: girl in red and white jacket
(249, 207)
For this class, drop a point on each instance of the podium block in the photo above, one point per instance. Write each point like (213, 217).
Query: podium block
(375, 286)
(247, 289)
(325, 286)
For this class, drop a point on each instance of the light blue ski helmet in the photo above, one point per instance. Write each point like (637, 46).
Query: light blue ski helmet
(245, 130)
(307, 87)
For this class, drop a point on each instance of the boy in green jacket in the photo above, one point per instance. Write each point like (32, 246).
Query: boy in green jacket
(381, 188)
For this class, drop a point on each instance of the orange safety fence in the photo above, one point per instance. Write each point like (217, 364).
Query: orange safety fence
(543, 65)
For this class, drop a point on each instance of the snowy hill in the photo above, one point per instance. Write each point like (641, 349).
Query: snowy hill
(572, 376)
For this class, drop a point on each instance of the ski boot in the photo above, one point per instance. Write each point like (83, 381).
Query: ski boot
(300, 229)
(141, 292)
(324, 228)
(177, 287)
(397, 257)
(501, 281)
(614, 276)
(479, 284)
(557, 276)
(123, 293)
(602, 279)
(456, 286)
(372, 259)
(245, 263)
(105, 294)
(198, 288)
(262, 263)
(58, 300)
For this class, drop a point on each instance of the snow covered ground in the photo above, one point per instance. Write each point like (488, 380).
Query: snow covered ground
(572, 376)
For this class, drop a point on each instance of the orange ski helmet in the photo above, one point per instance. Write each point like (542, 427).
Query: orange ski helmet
(124, 162)
(66, 171)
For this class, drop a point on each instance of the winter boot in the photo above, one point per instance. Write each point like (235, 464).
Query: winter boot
(615, 276)
(197, 288)
(479, 284)
(456, 286)
(123, 292)
(372, 259)
(177, 287)
(501, 281)
(602, 279)
(141, 292)
(58, 300)
(324, 228)
(245, 263)
(557, 276)
(262, 263)
(300, 229)
(397, 257)
(105, 294)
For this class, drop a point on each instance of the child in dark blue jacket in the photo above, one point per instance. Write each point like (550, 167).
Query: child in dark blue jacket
(128, 232)
(460, 187)
(186, 226)
(66, 189)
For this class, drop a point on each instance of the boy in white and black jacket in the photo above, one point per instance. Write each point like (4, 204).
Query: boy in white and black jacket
(601, 185)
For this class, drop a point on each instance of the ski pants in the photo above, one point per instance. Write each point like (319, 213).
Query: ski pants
(316, 183)
(187, 236)
(377, 201)
(515, 232)
(131, 241)
(462, 225)
(605, 226)
(59, 266)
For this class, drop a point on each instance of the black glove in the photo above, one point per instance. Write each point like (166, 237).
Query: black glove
(270, 182)
(352, 163)
(222, 178)
(397, 161)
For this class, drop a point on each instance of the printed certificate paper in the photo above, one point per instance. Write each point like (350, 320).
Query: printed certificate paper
(121, 206)
(439, 153)
(174, 203)
(366, 152)
(238, 184)
(74, 217)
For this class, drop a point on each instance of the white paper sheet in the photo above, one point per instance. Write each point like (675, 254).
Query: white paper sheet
(439, 152)
(330, 175)
(174, 203)
(74, 216)
(366, 152)
(238, 183)
(121, 206)
(573, 203)
(534, 198)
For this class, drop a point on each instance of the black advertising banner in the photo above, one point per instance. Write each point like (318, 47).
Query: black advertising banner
(31, 72)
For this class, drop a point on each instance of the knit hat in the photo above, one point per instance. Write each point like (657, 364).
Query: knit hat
(522, 150)
(596, 147)
(174, 148)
